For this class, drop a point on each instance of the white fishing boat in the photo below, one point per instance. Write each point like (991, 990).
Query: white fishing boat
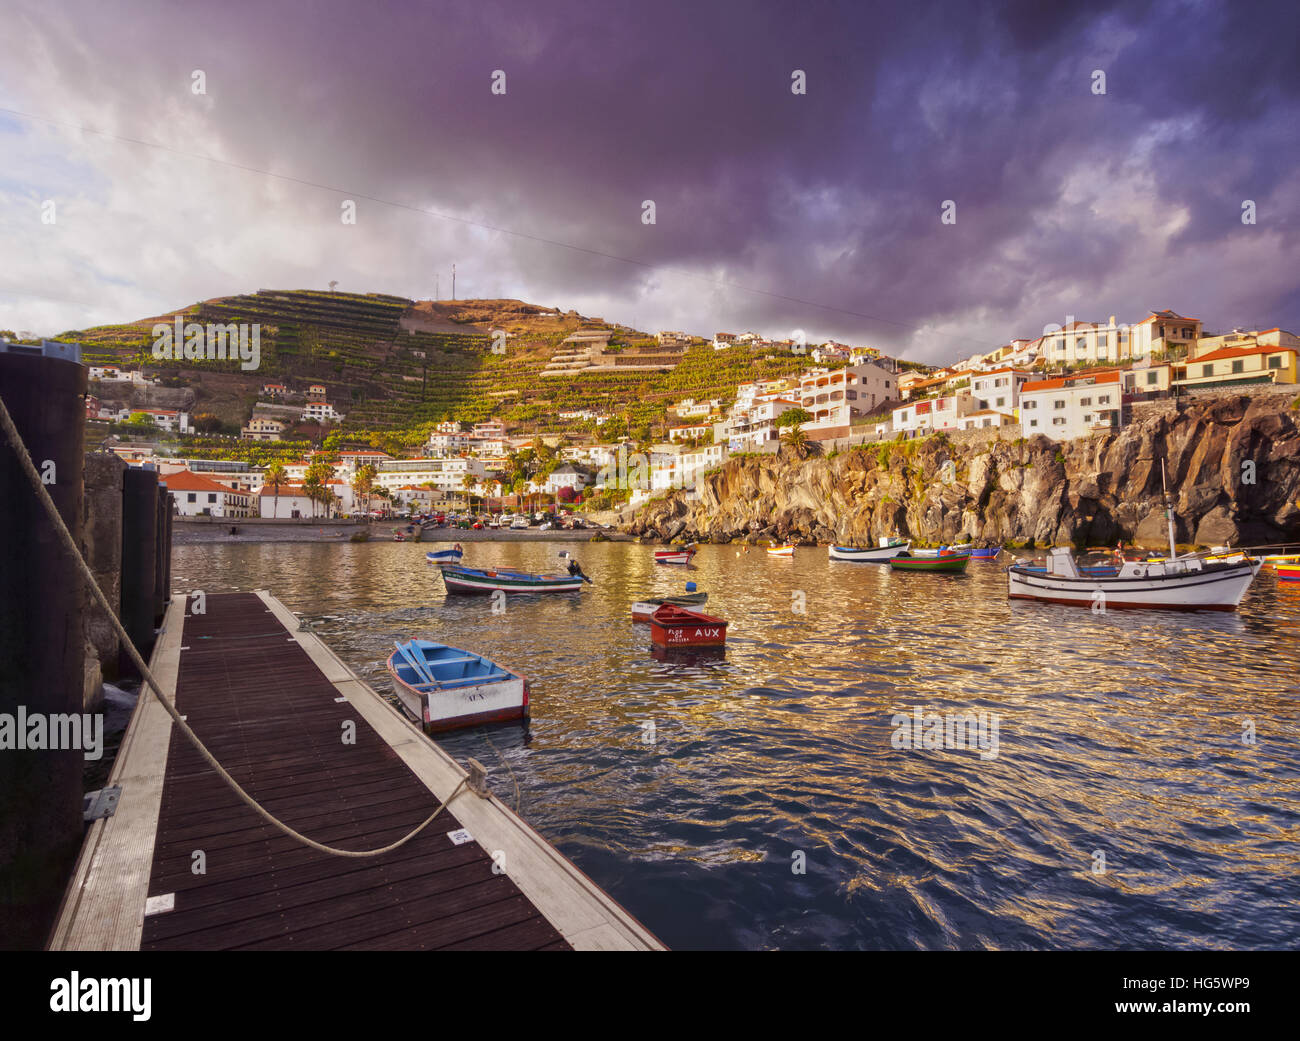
(1186, 583)
(780, 551)
(680, 555)
(889, 547)
(642, 610)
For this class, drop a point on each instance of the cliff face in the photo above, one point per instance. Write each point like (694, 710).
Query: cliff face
(1093, 491)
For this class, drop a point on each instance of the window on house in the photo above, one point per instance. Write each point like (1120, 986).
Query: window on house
(1058, 404)
(1239, 365)
(1085, 401)
(191, 497)
(1103, 399)
(1002, 401)
(212, 496)
(1153, 377)
(1033, 422)
(1059, 421)
(1275, 361)
(1207, 370)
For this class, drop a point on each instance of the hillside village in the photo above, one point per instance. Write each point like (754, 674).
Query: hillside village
(364, 404)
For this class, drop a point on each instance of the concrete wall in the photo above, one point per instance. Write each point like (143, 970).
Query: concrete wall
(101, 545)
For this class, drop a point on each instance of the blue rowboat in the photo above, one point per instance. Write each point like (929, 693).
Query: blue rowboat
(448, 688)
(455, 553)
(480, 580)
(986, 553)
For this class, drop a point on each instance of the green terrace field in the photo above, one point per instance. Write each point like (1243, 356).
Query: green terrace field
(386, 378)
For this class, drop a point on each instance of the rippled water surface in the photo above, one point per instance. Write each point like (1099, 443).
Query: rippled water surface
(1124, 808)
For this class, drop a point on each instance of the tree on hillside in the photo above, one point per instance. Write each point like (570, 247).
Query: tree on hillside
(316, 485)
(793, 417)
(363, 483)
(276, 475)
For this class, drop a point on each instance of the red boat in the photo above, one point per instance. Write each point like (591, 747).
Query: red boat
(675, 556)
(674, 626)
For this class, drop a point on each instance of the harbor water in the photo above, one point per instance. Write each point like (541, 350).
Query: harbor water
(1142, 788)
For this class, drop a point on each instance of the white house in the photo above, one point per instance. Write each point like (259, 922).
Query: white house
(1072, 406)
(320, 412)
(198, 496)
(565, 476)
(943, 413)
(999, 389)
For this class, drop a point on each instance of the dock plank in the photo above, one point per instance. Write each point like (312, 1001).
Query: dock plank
(272, 718)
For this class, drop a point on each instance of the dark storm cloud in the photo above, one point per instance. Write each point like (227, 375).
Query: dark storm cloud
(1062, 196)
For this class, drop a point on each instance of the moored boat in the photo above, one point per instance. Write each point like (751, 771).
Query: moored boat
(674, 626)
(643, 609)
(677, 555)
(1176, 583)
(780, 551)
(941, 562)
(961, 547)
(889, 547)
(985, 552)
(459, 579)
(1288, 572)
(455, 553)
(1173, 582)
(447, 688)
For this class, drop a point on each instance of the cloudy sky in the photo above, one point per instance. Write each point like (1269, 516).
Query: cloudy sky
(774, 211)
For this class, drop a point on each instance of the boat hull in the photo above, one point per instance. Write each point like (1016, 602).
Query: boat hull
(674, 627)
(875, 555)
(990, 553)
(949, 562)
(1217, 588)
(1288, 572)
(642, 610)
(445, 554)
(455, 708)
(781, 551)
(683, 557)
(488, 582)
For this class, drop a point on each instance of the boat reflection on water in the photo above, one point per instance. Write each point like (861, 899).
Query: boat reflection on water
(688, 655)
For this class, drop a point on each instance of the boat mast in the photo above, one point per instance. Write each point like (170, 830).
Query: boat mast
(1169, 512)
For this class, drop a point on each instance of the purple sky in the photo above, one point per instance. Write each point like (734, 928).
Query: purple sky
(767, 204)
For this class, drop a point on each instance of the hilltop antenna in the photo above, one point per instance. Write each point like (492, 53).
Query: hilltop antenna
(437, 287)
(453, 281)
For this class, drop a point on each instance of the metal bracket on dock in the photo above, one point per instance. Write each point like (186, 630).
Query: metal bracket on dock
(102, 803)
(478, 782)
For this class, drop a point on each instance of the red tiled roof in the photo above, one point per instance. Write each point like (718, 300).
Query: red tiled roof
(188, 481)
(1237, 352)
(1062, 381)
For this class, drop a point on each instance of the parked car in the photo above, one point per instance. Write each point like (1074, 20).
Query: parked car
(519, 524)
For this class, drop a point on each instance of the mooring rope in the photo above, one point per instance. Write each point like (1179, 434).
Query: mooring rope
(70, 544)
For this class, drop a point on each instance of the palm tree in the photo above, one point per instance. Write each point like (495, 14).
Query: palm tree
(468, 482)
(363, 482)
(316, 484)
(276, 475)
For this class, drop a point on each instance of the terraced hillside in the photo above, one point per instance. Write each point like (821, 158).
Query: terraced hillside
(393, 364)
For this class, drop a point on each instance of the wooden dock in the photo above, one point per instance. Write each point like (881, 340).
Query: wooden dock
(183, 864)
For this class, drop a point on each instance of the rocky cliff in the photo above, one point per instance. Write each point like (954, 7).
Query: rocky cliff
(1233, 464)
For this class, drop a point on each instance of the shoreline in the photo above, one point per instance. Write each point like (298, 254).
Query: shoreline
(251, 530)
